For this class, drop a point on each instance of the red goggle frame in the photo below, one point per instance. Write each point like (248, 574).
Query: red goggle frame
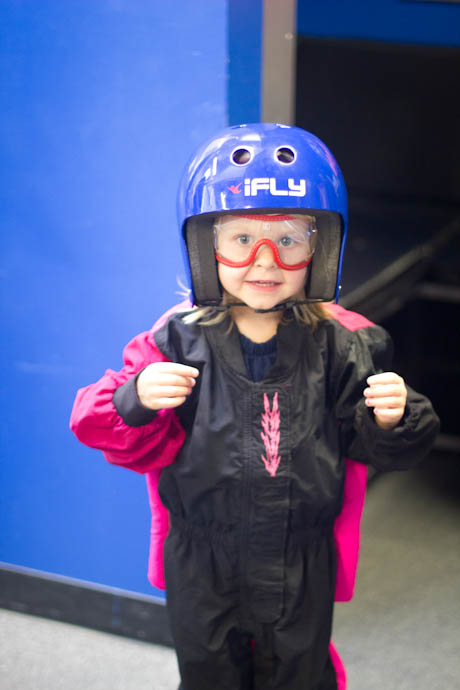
(252, 256)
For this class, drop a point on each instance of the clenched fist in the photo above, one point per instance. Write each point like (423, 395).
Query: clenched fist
(165, 384)
(387, 394)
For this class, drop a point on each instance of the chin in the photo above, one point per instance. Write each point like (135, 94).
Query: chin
(262, 303)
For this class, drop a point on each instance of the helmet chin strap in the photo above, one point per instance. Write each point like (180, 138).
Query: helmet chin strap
(278, 307)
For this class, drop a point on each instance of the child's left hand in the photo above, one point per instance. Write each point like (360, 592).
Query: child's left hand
(387, 394)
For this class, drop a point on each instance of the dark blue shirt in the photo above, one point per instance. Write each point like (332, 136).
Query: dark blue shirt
(259, 357)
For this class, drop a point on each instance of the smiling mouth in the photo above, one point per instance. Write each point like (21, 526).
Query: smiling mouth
(263, 283)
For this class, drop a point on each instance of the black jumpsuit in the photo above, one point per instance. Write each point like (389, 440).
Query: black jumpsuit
(253, 495)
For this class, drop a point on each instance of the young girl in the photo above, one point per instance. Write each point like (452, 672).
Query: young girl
(245, 407)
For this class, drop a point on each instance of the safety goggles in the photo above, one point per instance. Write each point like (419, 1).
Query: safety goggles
(291, 239)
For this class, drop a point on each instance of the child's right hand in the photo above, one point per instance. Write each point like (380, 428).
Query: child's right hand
(165, 384)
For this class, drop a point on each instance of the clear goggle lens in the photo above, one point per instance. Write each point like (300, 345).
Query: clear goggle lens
(238, 239)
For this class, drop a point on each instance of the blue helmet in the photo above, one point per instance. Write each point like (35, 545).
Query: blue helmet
(262, 168)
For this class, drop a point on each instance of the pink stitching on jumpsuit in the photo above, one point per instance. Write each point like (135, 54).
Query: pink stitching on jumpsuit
(271, 437)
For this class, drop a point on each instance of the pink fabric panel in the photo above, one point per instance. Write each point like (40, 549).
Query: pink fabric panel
(158, 531)
(347, 529)
(347, 525)
(339, 667)
(349, 319)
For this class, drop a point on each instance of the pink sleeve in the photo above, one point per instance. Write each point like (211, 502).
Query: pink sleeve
(97, 424)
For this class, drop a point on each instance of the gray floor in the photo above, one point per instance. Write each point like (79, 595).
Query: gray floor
(402, 629)
(401, 632)
(39, 654)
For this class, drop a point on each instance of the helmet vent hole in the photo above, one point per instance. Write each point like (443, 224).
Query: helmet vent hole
(241, 156)
(285, 155)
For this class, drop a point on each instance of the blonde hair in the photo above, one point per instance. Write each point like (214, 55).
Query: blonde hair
(307, 314)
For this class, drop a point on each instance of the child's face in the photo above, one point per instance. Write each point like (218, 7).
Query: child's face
(262, 284)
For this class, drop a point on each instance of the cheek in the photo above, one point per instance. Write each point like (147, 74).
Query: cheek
(230, 278)
(298, 278)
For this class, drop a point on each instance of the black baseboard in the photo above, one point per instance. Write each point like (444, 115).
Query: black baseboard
(57, 599)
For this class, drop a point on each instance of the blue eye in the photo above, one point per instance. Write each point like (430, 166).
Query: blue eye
(243, 239)
(286, 241)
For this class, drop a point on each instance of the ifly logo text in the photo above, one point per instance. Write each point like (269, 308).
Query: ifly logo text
(252, 186)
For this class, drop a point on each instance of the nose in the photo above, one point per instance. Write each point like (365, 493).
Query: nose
(264, 256)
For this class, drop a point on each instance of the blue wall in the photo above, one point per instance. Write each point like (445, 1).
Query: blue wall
(244, 61)
(401, 21)
(102, 103)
